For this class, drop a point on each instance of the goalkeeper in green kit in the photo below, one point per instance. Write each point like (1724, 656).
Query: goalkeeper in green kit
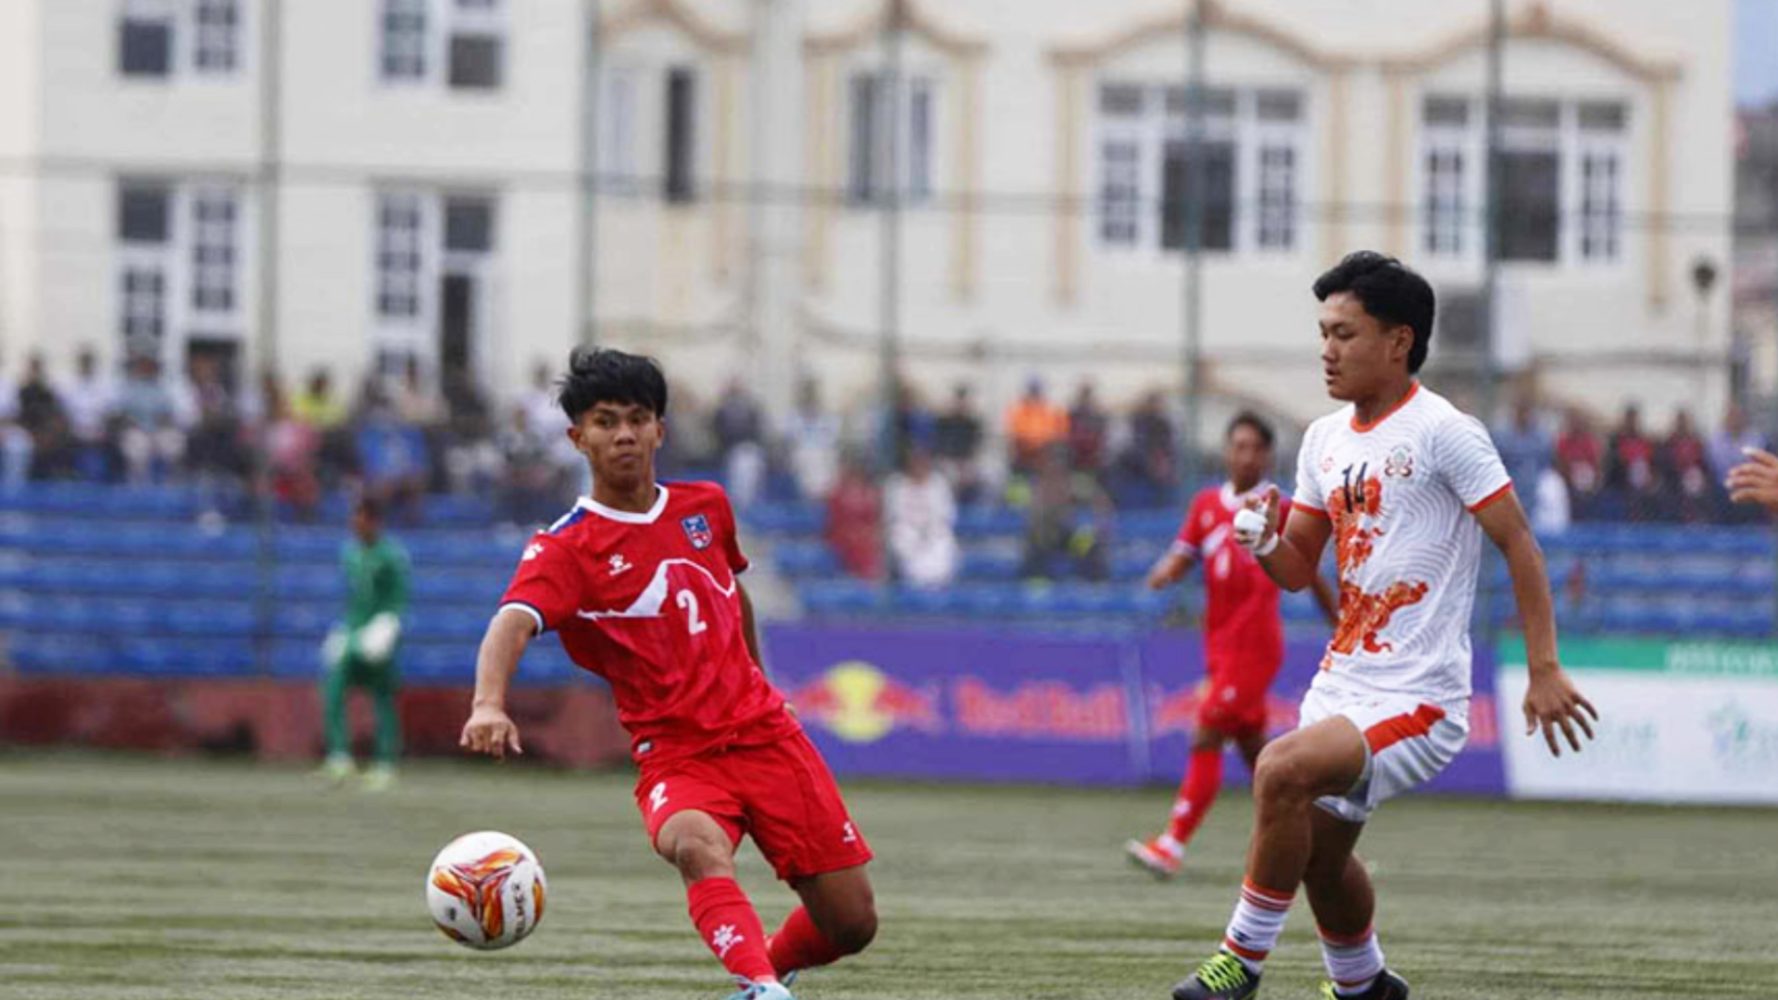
(360, 651)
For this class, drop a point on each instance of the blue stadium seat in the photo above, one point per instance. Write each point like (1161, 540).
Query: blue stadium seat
(840, 597)
(1158, 522)
(997, 565)
(986, 521)
(786, 519)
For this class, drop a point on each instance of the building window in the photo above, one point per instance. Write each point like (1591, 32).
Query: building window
(1599, 128)
(1249, 163)
(179, 250)
(434, 264)
(404, 39)
(461, 43)
(215, 250)
(145, 39)
(400, 243)
(617, 128)
(1444, 163)
(218, 36)
(1561, 174)
(1530, 179)
(468, 225)
(144, 211)
(477, 45)
(874, 145)
(1120, 192)
(679, 148)
(1277, 117)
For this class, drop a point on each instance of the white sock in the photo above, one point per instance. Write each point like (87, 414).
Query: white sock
(1353, 963)
(1254, 929)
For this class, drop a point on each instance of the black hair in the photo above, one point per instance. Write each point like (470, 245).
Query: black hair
(1248, 418)
(1388, 290)
(369, 506)
(603, 375)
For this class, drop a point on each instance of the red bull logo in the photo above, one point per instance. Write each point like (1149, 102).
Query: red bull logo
(1043, 710)
(859, 703)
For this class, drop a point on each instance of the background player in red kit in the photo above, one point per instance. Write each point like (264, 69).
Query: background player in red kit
(1243, 636)
(641, 582)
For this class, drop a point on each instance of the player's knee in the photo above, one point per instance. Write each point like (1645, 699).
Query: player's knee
(857, 931)
(1281, 774)
(699, 857)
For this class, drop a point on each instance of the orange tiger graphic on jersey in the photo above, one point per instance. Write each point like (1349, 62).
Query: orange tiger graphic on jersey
(1362, 616)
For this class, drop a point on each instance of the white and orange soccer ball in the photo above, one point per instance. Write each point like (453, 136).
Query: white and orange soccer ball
(486, 890)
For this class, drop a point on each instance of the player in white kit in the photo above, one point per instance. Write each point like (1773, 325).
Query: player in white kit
(1406, 485)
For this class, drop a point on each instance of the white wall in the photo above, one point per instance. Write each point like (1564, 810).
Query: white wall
(19, 135)
(94, 114)
(1258, 332)
(340, 113)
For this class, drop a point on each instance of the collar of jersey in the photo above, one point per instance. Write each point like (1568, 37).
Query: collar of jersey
(1232, 500)
(628, 516)
(1364, 428)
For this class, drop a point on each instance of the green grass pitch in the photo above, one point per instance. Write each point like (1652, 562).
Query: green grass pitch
(129, 877)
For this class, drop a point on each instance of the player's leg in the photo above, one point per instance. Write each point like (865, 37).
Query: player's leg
(702, 848)
(335, 685)
(800, 822)
(1326, 758)
(838, 918)
(1345, 907)
(1250, 743)
(1163, 854)
(384, 684)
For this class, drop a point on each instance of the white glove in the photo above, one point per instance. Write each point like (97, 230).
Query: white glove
(334, 649)
(1251, 532)
(376, 639)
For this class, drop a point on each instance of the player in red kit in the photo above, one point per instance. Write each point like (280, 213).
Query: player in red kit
(641, 581)
(1243, 637)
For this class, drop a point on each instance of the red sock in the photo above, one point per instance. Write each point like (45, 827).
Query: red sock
(727, 923)
(1203, 777)
(800, 945)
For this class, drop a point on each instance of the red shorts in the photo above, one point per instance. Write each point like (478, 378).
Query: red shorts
(780, 793)
(1232, 699)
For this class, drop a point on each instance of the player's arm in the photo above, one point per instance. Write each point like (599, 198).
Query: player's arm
(1171, 566)
(489, 729)
(1551, 699)
(750, 626)
(1325, 598)
(1290, 556)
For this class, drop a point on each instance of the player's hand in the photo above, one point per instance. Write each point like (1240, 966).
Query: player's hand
(1552, 701)
(490, 731)
(1257, 523)
(1755, 480)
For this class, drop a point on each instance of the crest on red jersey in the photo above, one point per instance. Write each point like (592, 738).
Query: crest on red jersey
(697, 528)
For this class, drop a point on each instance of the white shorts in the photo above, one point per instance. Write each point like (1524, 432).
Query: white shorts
(1407, 742)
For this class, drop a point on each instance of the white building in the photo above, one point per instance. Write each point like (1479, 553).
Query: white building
(429, 203)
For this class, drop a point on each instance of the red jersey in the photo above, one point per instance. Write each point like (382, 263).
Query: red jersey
(1242, 623)
(652, 603)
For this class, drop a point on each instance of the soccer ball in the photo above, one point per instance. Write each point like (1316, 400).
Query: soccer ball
(485, 890)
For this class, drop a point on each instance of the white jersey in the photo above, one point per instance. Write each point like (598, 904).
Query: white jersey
(1401, 494)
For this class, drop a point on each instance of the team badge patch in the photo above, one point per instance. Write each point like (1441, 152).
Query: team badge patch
(1400, 464)
(697, 528)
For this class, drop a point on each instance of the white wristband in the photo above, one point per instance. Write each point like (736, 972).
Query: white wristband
(1266, 547)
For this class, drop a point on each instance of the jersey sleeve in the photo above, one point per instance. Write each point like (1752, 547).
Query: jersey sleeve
(1469, 464)
(1307, 496)
(1191, 530)
(547, 584)
(731, 537)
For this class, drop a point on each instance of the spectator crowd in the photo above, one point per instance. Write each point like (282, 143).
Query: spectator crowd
(893, 480)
